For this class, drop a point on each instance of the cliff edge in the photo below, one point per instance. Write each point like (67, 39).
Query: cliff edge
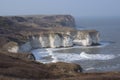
(23, 33)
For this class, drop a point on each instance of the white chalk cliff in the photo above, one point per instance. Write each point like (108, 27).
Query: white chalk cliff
(87, 38)
(63, 39)
(32, 32)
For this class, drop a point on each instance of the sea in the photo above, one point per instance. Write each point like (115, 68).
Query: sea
(101, 58)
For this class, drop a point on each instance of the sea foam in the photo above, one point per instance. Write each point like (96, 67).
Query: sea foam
(96, 56)
(40, 54)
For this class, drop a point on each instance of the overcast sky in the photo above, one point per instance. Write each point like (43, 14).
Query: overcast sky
(73, 7)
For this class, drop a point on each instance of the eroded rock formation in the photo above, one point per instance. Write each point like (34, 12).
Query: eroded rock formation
(23, 33)
(56, 40)
(87, 37)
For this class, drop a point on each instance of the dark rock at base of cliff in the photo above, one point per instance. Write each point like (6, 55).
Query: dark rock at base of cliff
(65, 67)
(11, 66)
(22, 56)
(17, 68)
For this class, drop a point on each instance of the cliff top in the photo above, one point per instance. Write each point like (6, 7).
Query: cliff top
(39, 23)
(16, 28)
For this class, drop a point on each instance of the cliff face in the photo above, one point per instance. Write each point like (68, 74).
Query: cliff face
(58, 39)
(23, 33)
(87, 37)
(55, 40)
(15, 30)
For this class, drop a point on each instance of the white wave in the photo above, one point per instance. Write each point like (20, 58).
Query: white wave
(39, 53)
(97, 56)
(68, 57)
(91, 68)
(54, 59)
(52, 56)
(102, 44)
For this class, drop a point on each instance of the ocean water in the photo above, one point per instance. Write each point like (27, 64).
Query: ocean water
(102, 58)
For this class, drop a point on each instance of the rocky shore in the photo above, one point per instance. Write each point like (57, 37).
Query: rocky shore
(12, 68)
(20, 34)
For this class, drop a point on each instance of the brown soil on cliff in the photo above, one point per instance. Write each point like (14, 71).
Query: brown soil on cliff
(16, 68)
(12, 68)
